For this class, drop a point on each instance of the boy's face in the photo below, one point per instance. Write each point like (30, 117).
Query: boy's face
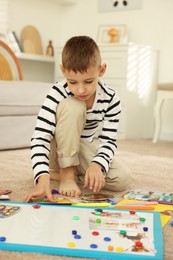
(84, 85)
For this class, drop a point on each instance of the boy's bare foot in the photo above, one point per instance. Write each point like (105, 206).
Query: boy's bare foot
(54, 175)
(68, 185)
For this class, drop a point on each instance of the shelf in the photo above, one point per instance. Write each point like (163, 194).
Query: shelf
(35, 57)
(37, 67)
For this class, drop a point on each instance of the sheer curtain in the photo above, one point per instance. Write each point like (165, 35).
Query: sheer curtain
(3, 16)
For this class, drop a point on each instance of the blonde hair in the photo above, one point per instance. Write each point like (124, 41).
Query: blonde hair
(80, 53)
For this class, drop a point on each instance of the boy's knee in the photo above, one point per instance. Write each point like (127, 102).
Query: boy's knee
(72, 106)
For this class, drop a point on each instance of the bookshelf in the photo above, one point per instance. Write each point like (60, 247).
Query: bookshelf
(35, 57)
(37, 67)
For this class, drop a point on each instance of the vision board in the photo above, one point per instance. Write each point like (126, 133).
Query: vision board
(80, 231)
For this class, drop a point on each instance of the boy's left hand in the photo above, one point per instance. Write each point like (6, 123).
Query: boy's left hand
(94, 178)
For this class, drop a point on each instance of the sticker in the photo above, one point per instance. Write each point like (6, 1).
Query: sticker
(97, 196)
(7, 211)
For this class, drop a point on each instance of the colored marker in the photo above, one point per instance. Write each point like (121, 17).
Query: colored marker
(134, 207)
(166, 202)
(93, 204)
(5, 192)
(140, 203)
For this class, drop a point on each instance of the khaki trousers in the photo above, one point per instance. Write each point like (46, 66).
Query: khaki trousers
(67, 148)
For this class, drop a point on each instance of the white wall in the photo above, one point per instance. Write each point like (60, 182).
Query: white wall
(151, 25)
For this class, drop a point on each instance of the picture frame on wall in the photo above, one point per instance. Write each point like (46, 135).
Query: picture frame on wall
(112, 34)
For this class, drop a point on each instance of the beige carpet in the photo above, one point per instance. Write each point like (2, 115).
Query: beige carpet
(151, 165)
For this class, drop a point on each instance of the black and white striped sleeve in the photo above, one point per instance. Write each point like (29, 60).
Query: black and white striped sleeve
(108, 136)
(44, 132)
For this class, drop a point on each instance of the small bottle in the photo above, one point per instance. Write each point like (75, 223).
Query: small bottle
(50, 49)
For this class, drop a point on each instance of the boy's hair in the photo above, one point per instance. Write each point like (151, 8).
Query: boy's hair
(80, 53)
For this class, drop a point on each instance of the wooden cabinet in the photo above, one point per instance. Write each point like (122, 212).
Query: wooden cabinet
(132, 72)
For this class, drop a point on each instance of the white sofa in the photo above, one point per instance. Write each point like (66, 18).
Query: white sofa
(20, 102)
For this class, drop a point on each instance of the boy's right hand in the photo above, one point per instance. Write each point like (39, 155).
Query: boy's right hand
(41, 189)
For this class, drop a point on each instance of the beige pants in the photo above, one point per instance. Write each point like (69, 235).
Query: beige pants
(67, 148)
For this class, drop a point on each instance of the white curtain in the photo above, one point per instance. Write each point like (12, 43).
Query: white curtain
(3, 16)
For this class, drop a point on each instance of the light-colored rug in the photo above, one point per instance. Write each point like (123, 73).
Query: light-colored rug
(151, 166)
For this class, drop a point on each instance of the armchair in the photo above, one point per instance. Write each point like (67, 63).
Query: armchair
(20, 102)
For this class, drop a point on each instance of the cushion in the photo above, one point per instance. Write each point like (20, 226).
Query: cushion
(22, 97)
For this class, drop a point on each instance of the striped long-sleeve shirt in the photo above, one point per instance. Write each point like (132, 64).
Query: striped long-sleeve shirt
(105, 110)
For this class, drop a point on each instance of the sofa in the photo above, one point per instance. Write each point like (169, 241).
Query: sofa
(20, 102)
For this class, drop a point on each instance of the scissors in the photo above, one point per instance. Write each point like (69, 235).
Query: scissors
(2, 207)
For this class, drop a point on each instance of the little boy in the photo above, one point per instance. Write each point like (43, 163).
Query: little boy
(62, 145)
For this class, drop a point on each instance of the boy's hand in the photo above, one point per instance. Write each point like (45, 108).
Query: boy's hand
(94, 178)
(40, 190)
